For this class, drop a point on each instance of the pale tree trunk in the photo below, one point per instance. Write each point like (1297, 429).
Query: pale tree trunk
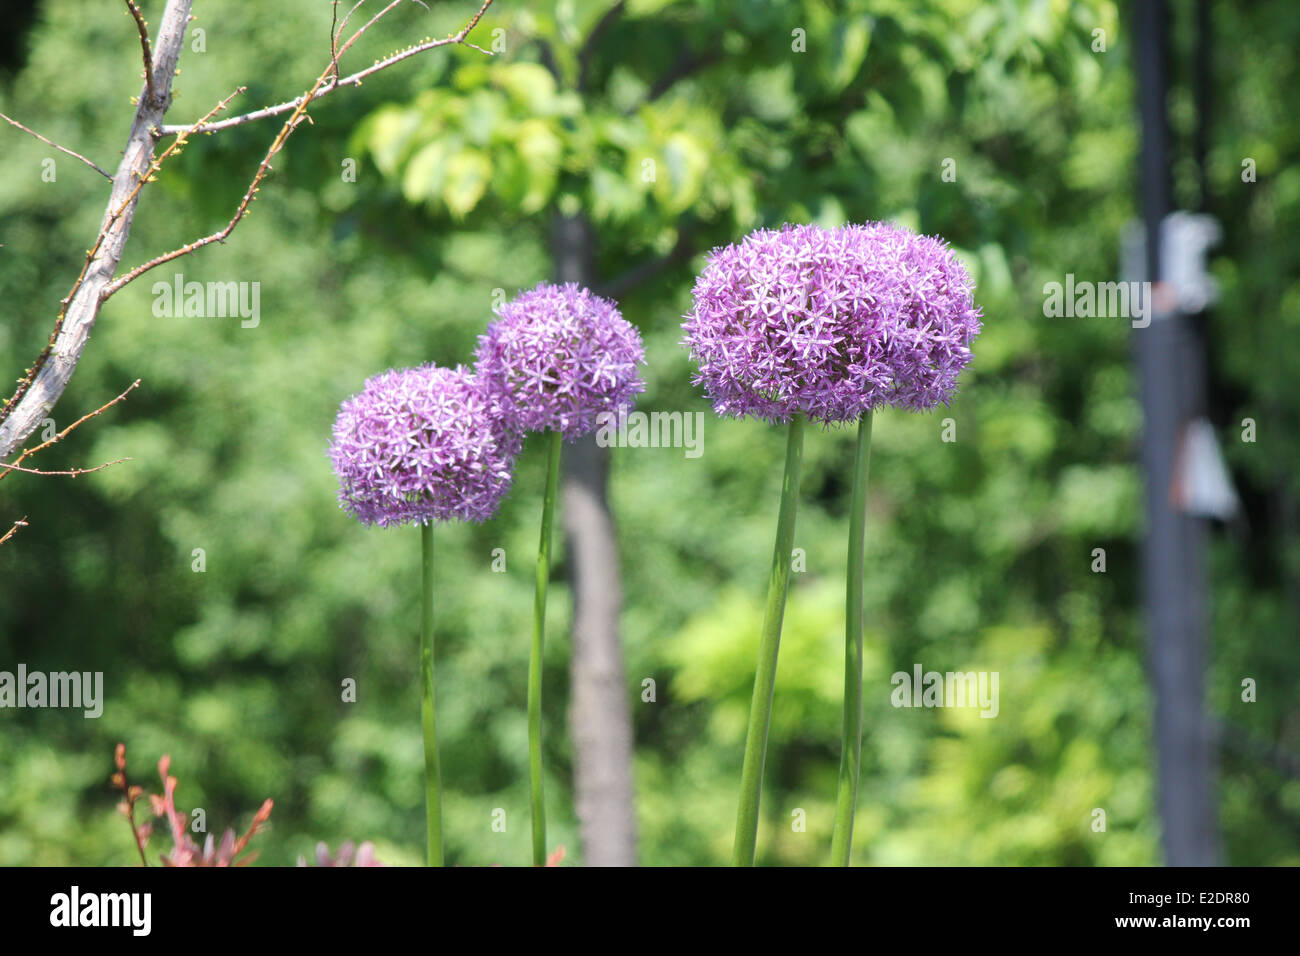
(83, 307)
(599, 715)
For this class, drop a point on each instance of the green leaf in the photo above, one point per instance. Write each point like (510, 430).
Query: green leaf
(685, 161)
(423, 177)
(388, 133)
(613, 197)
(529, 85)
(466, 179)
(849, 43)
(539, 147)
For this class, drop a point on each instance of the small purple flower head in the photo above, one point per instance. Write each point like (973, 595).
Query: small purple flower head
(349, 855)
(557, 358)
(830, 323)
(420, 445)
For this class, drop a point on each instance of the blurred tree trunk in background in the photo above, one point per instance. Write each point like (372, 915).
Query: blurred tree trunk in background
(599, 716)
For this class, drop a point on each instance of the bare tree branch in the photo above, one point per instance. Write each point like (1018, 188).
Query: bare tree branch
(547, 56)
(14, 465)
(295, 119)
(682, 250)
(353, 80)
(45, 381)
(335, 30)
(241, 210)
(143, 29)
(113, 216)
(62, 149)
(71, 472)
(589, 48)
(687, 65)
(339, 32)
(20, 523)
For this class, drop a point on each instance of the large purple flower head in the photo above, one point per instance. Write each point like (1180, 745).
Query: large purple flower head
(558, 357)
(420, 445)
(830, 323)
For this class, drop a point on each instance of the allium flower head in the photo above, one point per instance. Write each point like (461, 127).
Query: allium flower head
(558, 357)
(420, 445)
(830, 322)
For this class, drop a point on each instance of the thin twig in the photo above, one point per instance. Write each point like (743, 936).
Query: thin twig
(144, 47)
(43, 383)
(71, 472)
(241, 210)
(63, 434)
(352, 80)
(93, 251)
(322, 84)
(20, 523)
(62, 149)
(334, 19)
(336, 30)
(336, 33)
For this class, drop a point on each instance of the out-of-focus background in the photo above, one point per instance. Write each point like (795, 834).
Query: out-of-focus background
(618, 143)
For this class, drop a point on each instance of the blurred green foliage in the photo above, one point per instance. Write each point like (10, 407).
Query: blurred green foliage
(979, 550)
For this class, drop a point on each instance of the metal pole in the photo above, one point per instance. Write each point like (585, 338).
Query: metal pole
(1170, 367)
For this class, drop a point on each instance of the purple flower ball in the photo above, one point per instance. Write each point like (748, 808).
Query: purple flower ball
(830, 323)
(420, 445)
(557, 358)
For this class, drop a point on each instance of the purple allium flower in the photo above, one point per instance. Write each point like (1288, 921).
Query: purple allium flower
(420, 445)
(830, 322)
(557, 358)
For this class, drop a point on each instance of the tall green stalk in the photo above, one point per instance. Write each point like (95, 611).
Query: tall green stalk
(851, 745)
(760, 708)
(535, 657)
(432, 769)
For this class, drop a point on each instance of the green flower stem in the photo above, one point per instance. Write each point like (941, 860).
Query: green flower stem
(760, 708)
(535, 658)
(432, 769)
(851, 748)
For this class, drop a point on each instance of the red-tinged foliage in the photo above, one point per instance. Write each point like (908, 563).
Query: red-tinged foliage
(232, 851)
(184, 852)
